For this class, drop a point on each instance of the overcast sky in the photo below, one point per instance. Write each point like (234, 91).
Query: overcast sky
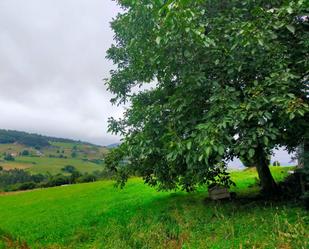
(52, 62)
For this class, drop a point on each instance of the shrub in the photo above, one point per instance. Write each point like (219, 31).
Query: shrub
(27, 186)
(9, 157)
(57, 180)
(276, 163)
(25, 153)
(68, 169)
(18, 176)
(74, 176)
(86, 178)
(74, 154)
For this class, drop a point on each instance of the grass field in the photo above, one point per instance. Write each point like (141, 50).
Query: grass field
(49, 157)
(51, 165)
(97, 215)
(82, 150)
(53, 158)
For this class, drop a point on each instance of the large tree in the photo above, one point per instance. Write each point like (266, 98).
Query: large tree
(230, 81)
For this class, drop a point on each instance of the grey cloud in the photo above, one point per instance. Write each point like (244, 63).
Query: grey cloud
(52, 62)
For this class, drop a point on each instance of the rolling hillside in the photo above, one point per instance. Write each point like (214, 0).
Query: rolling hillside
(42, 154)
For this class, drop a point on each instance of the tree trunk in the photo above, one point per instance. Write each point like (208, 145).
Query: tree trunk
(305, 161)
(268, 183)
(306, 153)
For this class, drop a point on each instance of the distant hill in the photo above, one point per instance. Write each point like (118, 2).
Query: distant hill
(41, 154)
(111, 146)
(32, 139)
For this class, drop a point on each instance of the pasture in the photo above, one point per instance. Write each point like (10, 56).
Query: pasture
(52, 165)
(98, 215)
(53, 158)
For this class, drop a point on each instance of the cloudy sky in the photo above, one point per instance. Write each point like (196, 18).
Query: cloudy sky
(52, 62)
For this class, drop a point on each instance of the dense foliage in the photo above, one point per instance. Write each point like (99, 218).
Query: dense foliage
(8, 157)
(14, 177)
(34, 140)
(19, 179)
(231, 81)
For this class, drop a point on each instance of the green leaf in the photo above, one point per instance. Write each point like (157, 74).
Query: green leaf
(292, 116)
(158, 40)
(187, 53)
(208, 151)
(189, 145)
(260, 41)
(251, 153)
(266, 140)
(289, 10)
(221, 150)
(291, 28)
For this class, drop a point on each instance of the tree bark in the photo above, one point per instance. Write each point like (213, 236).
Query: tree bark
(306, 153)
(305, 162)
(268, 184)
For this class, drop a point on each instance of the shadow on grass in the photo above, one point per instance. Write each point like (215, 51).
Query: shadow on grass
(9, 242)
(170, 220)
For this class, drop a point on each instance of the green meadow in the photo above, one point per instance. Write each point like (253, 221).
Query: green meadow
(98, 215)
(53, 158)
(52, 165)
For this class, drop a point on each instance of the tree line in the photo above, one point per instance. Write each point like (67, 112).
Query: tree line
(19, 179)
(31, 139)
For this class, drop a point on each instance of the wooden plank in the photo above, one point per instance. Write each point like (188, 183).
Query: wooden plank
(219, 192)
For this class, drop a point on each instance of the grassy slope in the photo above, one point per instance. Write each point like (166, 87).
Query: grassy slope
(83, 150)
(97, 215)
(51, 165)
(44, 164)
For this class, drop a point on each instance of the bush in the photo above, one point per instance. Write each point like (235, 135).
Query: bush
(25, 153)
(74, 154)
(9, 157)
(276, 163)
(57, 180)
(104, 174)
(68, 169)
(21, 186)
(86, 178)
(74, 176)
(38, 178)
(27, 186)
(18, 176)
(18, 179)
(296, 186)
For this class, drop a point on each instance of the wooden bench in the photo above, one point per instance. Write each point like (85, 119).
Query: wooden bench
(219, 192)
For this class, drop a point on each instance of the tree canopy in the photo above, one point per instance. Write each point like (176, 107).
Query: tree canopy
(231, 80)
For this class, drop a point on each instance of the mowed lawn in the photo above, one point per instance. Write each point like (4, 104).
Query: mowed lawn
(52, 165)
(97, 215)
